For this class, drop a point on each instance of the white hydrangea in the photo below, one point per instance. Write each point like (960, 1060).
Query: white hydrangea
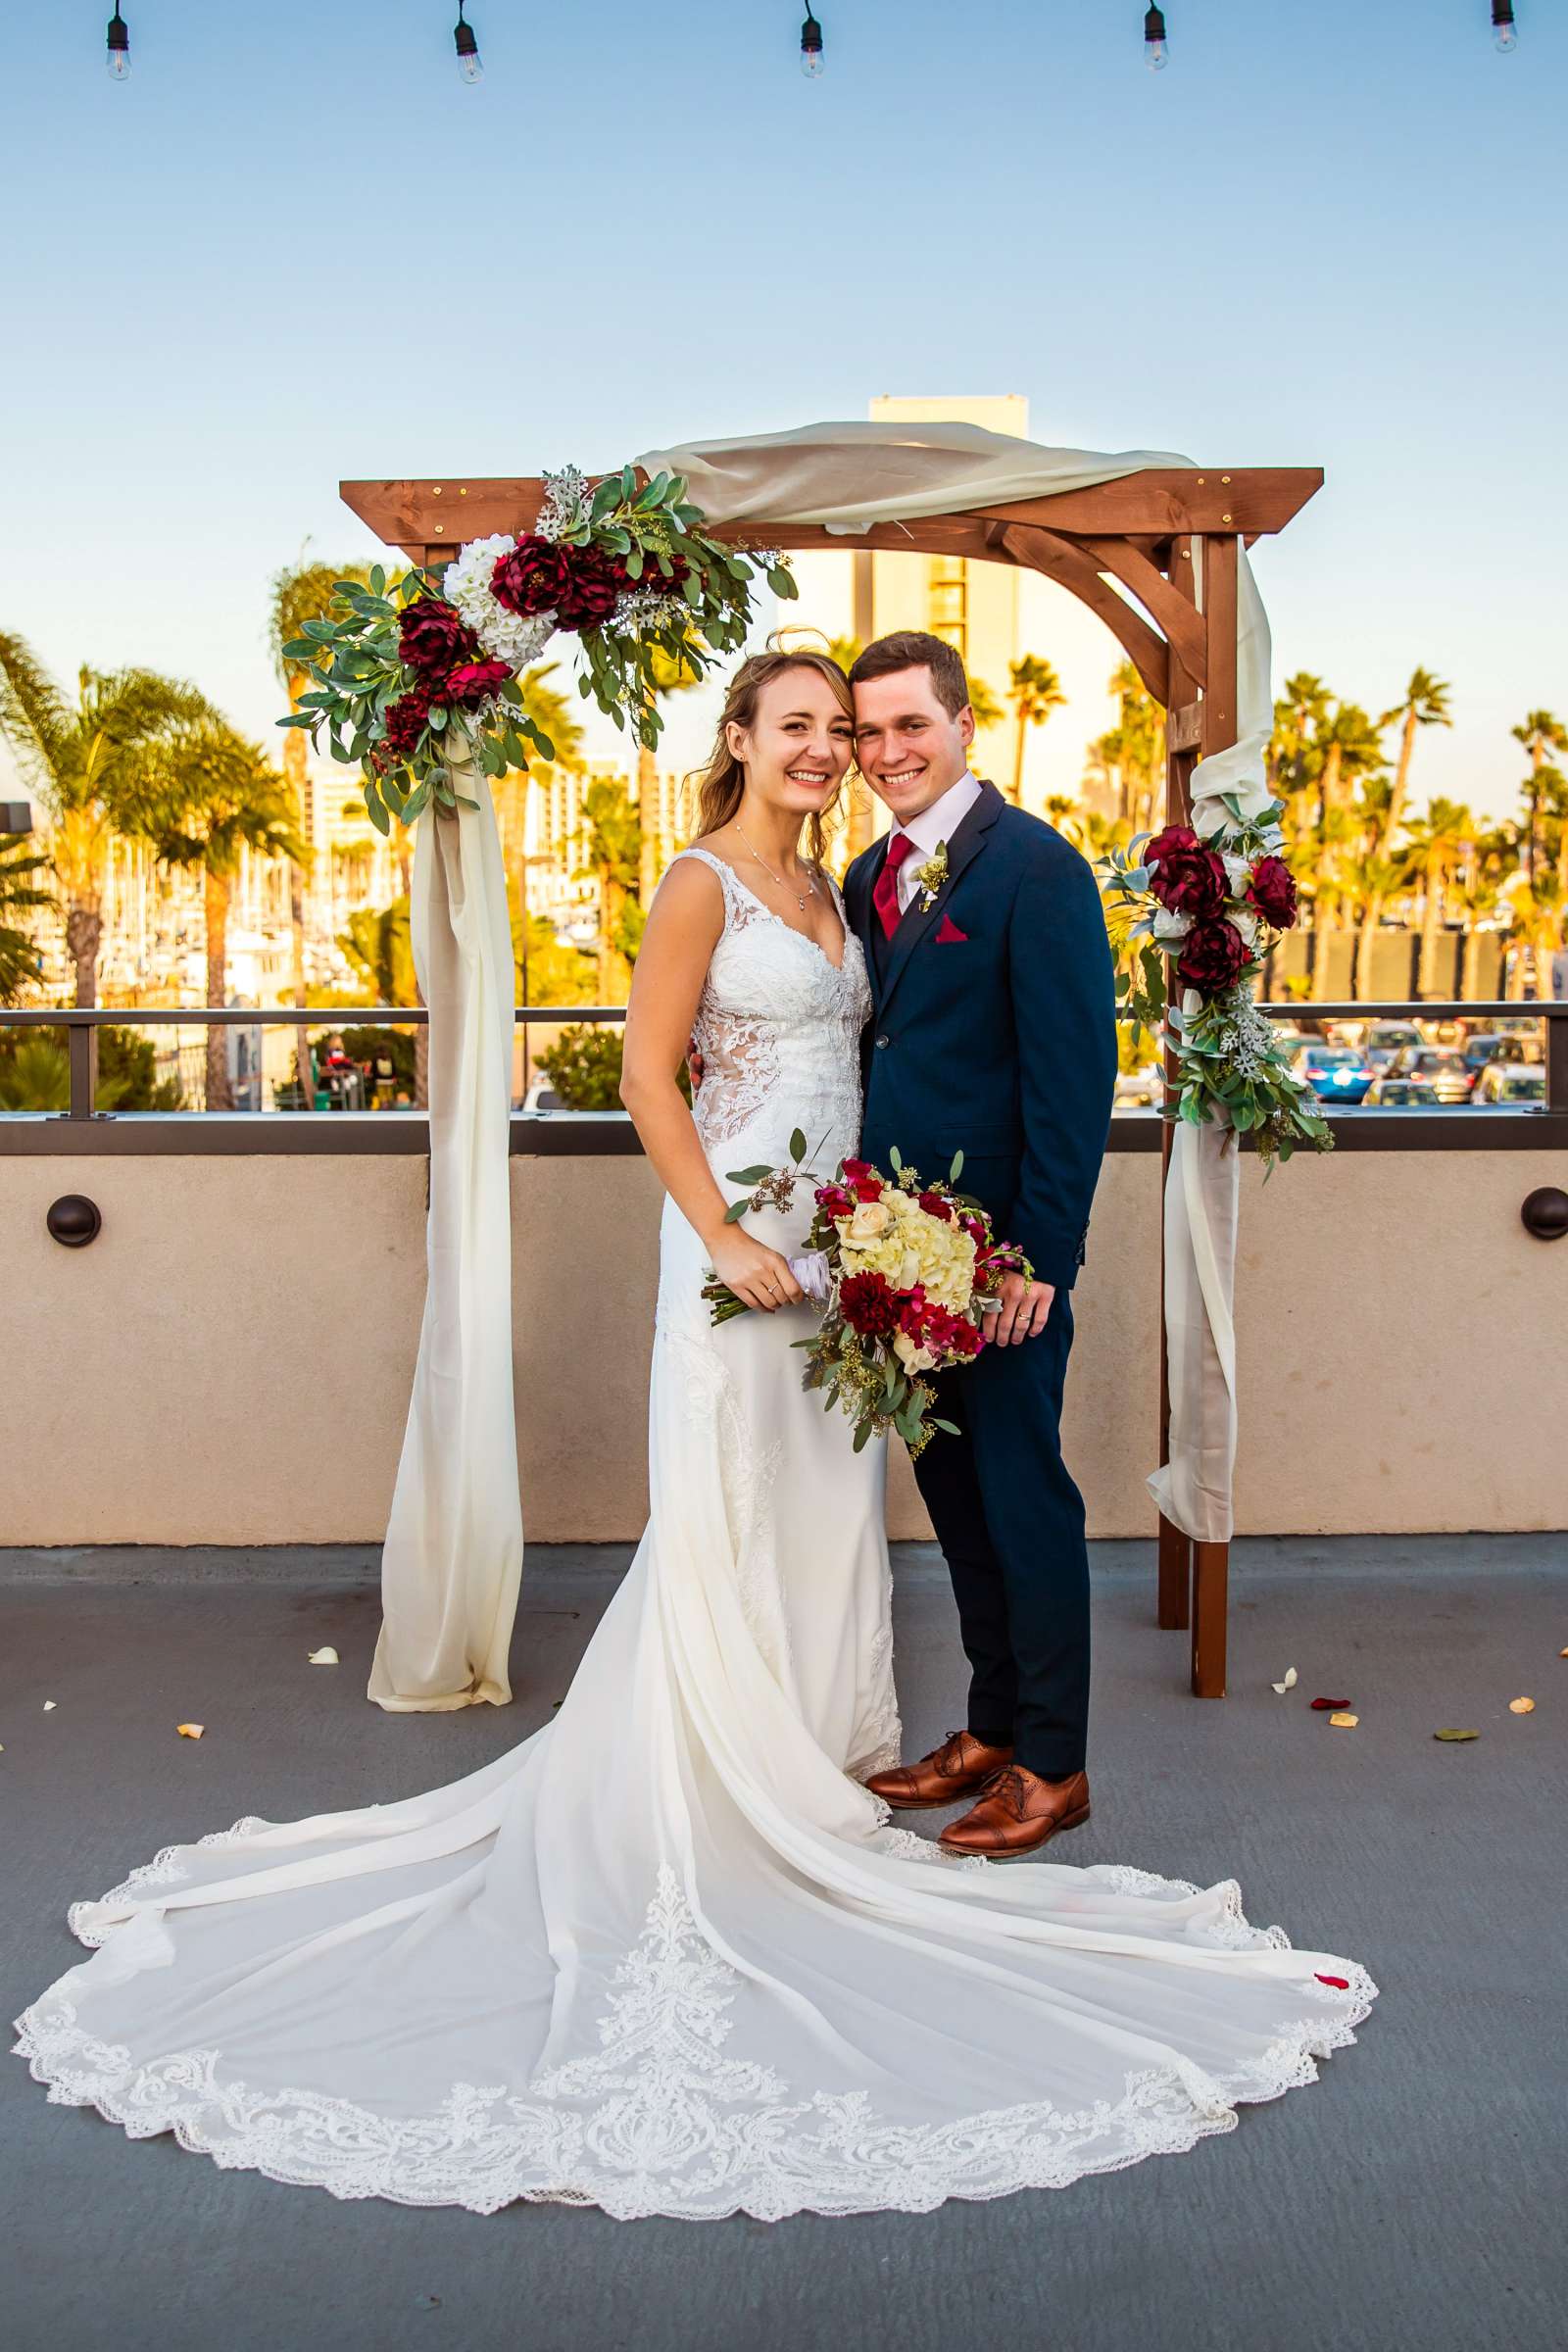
(509, 637)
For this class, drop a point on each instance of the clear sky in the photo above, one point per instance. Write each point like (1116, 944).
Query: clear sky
(294, 247)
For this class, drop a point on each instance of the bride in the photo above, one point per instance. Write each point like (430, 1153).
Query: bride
(667, 1956)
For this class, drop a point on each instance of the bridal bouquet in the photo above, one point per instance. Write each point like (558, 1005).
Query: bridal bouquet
(406, 674)
(903, 1273)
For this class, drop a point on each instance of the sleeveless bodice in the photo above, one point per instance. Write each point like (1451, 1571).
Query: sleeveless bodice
(778, 1027)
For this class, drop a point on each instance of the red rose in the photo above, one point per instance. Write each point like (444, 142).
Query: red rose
(595, 583)
(534, 576)
(853, 1168)
(1212, 955)
(935, 1206)
(432, 639)
(868, 1305)
(1185, 876)
(1272, 891)
(404, 725)
(475, 682)
(835, 1199)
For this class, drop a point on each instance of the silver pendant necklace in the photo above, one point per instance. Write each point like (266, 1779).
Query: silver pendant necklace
(810, 886)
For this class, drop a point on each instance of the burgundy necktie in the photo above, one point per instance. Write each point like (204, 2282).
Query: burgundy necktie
(884, 896)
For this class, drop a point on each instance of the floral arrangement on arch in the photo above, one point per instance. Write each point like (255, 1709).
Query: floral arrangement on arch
(1211, 911)
(406, 672)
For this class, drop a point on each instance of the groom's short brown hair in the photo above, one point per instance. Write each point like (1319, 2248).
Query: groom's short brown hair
(916, 649)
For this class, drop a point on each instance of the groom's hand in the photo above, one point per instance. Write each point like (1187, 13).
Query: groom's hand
(1022, 1313)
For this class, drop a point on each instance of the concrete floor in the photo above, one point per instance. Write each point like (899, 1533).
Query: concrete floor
(1411, 2199)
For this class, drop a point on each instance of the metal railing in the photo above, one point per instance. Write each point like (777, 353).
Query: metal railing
(1412, 1126)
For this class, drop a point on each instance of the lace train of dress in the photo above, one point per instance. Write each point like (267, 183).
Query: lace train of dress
(667, 1956)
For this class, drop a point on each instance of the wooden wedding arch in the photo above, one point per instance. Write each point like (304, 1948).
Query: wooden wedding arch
(1147, 535)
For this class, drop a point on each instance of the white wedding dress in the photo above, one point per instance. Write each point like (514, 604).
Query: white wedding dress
(667, 1956)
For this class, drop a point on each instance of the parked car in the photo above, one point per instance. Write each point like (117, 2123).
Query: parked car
(1139, 1089)
(1482, 1045)
(1400, 1093)
(542, 1096)
(1385, 1039)
(1335, 1073)
(1441, 1066)
(1510, 1082)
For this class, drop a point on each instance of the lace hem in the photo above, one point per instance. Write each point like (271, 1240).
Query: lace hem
(658, 2120)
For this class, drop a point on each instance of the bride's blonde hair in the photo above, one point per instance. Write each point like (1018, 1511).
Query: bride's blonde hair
(721, 783)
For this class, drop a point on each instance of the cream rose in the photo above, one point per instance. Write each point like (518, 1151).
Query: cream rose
(869, 1222)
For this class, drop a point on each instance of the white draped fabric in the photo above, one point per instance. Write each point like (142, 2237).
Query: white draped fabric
(453, 1557)
(846, 477)
(667, 1956)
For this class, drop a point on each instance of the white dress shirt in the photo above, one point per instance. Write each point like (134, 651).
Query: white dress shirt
(931, 828)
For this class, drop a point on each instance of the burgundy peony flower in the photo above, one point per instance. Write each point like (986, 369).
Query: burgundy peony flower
(475, 682)
(935, 1206)
(868, 1305)
(1272, 891)
(432, 639)
(1185, 876)
(535, 577)
(597, 583)
(403, 727)
(1211, 956)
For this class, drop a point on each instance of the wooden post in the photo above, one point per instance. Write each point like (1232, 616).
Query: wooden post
(1211, 1561)
(1175, 1550)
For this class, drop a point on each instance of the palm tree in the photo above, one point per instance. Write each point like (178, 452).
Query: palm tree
(611, 845)
(1438, 844)
(87, 757)
(217, 794)
(987, 711)
(1541, 734)
(1296, 749)
(301, 592)
(1375, 878)
(20, 894)
(1033, 691)
(1134, 750)
(672, 674)
(1425, 704)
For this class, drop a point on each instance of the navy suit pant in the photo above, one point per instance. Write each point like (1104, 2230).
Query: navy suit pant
(1011, 1524)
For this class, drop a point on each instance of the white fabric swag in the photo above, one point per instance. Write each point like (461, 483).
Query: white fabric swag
(453, 1558)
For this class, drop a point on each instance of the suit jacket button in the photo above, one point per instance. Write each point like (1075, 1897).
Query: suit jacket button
(881, 1041)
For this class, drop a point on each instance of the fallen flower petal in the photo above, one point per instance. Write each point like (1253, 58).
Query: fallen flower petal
(190, 1730)
(1326, 1706)
(324, 1657)
(1521, 1706)
(1339, 1984)
(1289, 1683)
(1452, 1734)
(1344, 1723)
(48, 1706)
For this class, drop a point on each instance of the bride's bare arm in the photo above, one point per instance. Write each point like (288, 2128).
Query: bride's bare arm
(684, 927)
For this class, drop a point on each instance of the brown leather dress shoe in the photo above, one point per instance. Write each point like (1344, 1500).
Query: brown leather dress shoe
(1017, 1814)
(960, 1766)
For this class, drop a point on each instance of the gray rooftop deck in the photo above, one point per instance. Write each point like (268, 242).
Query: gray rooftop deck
(1411, 2199)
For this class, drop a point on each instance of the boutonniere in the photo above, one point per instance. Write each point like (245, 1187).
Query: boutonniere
(929, 878)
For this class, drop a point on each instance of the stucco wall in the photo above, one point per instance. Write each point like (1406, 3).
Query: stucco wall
(228, 1362)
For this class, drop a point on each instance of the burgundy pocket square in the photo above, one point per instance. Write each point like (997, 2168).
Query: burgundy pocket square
(948, 931)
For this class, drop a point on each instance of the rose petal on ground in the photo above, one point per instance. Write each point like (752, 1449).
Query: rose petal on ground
(190, 1730)
(48, 1706)
(1326, 1706)
(1344, 1723)
(1521, 1706)
(1339, 1984)
(1453, 1734)
(327, 1656)
(1289, 1683)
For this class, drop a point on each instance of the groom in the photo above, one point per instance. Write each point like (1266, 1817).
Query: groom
(994, 1034)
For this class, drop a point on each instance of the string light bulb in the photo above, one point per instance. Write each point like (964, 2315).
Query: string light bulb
(1156, 48)
(1504, 31)
(467, 44)
(119, 47)
(810, 47)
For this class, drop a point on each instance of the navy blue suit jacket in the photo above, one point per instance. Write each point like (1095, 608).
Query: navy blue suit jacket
(1000, 1043)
